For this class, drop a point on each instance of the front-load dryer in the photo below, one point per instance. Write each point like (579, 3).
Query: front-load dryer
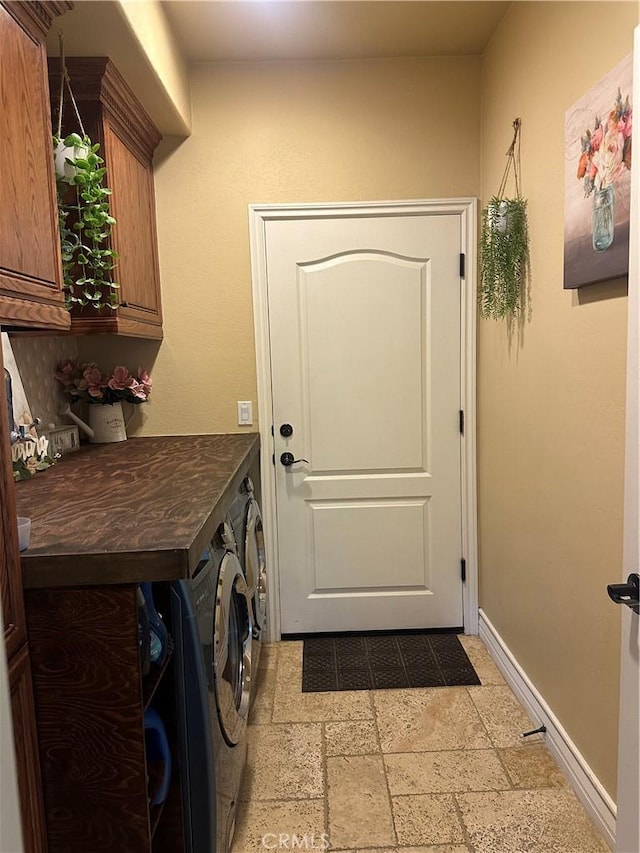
(217, 633)
(247, 524)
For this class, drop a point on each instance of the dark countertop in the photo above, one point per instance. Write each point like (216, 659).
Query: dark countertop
(142, 509)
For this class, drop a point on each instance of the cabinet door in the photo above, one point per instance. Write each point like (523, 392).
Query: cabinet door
(30, 268)
(134, 235)
(27, 760)
(83, 644)
(10, 572)
(115, 119)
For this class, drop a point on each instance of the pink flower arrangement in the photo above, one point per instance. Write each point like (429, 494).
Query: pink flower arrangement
(606, 150)
(86, 382)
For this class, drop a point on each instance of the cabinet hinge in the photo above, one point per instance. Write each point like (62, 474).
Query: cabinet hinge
(463, 569)
(461, 421)
(462, 264)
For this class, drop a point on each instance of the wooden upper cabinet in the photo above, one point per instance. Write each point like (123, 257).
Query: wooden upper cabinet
(113, 116)
(30, 268)
(133, 206)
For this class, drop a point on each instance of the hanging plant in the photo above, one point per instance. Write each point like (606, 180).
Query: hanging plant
(504, 246)
(84, 217)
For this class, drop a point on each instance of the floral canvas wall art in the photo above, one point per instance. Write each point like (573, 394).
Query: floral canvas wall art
(597, 188)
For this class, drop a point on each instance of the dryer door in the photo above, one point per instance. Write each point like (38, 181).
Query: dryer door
(233, 629)
(255, 562)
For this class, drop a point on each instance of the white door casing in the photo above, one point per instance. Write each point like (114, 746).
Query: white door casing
(378, 483)
(628, 817)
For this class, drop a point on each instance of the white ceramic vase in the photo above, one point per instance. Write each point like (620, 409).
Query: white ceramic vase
(65, 170)
(107, 423)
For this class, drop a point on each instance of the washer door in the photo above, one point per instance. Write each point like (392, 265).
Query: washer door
(255, 563)
(233, 628)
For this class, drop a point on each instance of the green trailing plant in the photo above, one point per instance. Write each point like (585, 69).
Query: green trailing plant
(84, 216)
(85, 223)
(504, 246)
(504, 257)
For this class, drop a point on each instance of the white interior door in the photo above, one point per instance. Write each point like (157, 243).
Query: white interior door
(365, 345)
(628, 821)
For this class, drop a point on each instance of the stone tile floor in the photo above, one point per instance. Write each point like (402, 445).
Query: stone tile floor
(425, 770)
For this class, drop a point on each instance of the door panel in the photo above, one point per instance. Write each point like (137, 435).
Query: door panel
(365, 319)
(353, 533)
(27, 186)
(134, 237)
(383, 348)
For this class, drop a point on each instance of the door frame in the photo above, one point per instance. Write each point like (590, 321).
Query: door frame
(628, 820)
(259, 215)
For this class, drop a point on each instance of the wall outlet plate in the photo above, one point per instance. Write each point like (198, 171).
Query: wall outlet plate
(63, 439)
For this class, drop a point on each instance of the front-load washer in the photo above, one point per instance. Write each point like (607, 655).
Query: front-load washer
(246, 520)
(214, 614)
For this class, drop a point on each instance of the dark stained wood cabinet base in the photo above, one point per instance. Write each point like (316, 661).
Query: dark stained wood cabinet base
(26, 747)
(81, 579)
(90, 713)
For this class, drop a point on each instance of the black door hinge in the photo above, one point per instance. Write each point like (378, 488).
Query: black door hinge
(272, 432)
(273, 459)
(461, 421)
(462, 264)
(463, 569)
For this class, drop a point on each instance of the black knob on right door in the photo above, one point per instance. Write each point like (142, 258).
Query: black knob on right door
(288, 460)
(286, 430)
(626, 593)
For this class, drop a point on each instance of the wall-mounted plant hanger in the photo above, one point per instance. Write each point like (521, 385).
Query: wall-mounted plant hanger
(84, 217)
(504, 244)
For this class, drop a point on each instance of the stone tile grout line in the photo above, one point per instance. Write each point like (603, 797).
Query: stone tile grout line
(384, 766)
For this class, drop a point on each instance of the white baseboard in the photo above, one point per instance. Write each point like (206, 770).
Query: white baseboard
(584, 782)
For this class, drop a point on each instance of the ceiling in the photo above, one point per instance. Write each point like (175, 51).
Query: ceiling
(210, 30)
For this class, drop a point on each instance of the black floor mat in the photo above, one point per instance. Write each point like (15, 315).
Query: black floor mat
(385, 661)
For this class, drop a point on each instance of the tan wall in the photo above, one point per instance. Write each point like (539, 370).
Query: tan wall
(551, 410)
(137, 38)
(283, 132)
(149, 25)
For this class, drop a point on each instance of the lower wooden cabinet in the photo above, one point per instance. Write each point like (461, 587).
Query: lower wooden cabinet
(26, 747)
(91, 697)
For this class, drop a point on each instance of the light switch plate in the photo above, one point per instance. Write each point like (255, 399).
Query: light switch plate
(245, 413)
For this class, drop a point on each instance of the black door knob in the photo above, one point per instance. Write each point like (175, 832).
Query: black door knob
(626, 593)
(286, 430)
(287, 460)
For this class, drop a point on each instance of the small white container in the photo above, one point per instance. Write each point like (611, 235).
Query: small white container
(24, 532)
(107, 423)
(62, 154)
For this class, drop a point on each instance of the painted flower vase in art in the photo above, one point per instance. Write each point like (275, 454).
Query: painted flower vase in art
(603, 222)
